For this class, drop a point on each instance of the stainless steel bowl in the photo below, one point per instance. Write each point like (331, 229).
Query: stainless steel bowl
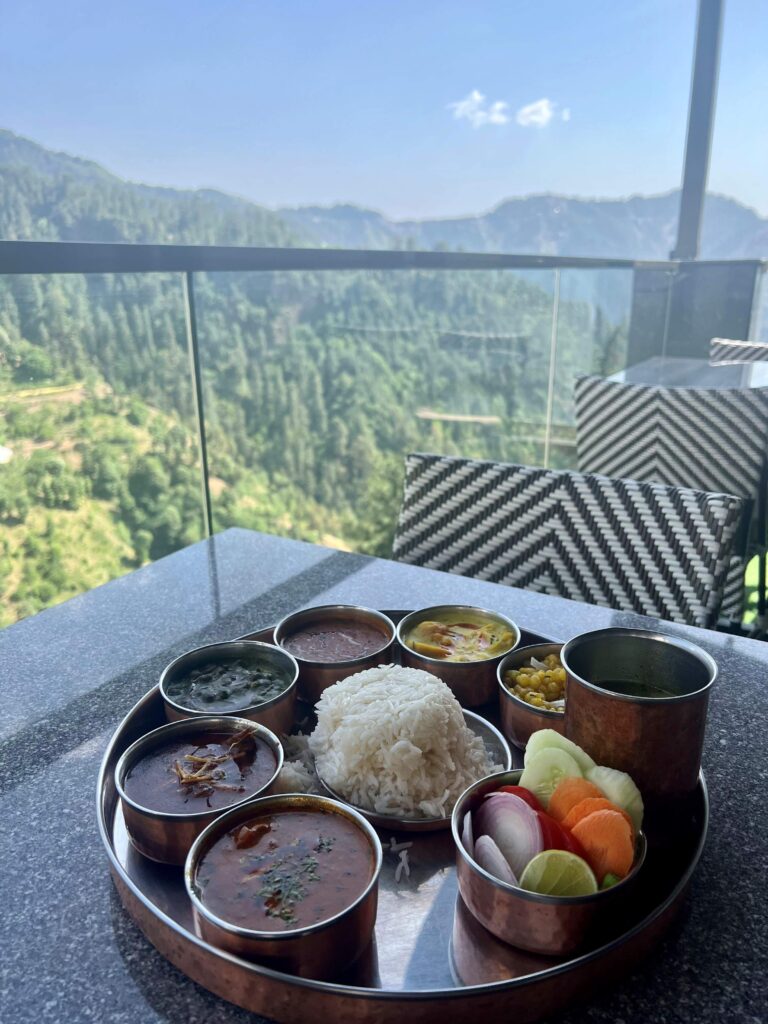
(319, 951)
(316, 676)
(166, 837)
(472, 683)
(549, 925)
(498, 751)
(519, 719)
(276, 713)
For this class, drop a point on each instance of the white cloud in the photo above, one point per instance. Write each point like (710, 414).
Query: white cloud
(478, 112)
(537, 115)
(566, 114)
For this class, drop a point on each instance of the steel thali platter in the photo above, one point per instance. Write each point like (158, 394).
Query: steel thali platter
(429, 958)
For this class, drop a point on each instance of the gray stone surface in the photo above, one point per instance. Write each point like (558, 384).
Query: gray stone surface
(68, 675)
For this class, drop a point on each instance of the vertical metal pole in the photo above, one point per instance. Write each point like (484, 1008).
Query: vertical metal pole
(671, 276)
(552, 368)
(194, 359)
(756, 313)
(701, 119)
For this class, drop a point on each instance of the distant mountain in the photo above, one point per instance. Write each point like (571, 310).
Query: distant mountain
(16, 151)
(50, 195)
(641, 227)
(55, 197)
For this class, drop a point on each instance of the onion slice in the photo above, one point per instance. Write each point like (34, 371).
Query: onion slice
(467, 836)
(492, 860)
(513, 826)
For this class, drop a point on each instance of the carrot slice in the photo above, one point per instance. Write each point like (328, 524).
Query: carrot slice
(588, 806)
(607, 841)
(568, 793)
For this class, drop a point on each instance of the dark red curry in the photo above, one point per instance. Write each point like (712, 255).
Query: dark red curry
(209, 773)
(287, 870)
(335, 641)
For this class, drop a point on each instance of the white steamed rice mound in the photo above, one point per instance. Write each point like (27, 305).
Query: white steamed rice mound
(393, 740)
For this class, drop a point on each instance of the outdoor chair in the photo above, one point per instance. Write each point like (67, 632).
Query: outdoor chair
(710, 439)
(640, 547)
(724, 350)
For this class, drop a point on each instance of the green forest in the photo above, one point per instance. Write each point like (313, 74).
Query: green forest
(315, 386)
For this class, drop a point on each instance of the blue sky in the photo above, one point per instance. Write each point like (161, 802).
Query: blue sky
(319, 101)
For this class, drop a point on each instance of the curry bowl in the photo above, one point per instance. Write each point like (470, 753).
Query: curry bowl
(519, 719)
(547, 925)
(331, 642)
(245, 678)
(175, 780)
(472, 680)
(289, 881)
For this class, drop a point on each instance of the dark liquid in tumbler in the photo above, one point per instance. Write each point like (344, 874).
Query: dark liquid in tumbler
(634, 688)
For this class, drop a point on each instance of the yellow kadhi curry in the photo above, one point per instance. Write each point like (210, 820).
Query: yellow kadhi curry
(467, 639)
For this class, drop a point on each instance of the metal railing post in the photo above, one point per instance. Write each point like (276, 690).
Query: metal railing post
(671, 278)
(756, 313)
(193, 348)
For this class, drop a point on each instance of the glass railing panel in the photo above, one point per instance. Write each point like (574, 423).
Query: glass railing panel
(317, 385)
(592, 337)
(99, 463)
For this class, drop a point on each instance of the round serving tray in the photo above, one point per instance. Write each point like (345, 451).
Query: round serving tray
(429, 958)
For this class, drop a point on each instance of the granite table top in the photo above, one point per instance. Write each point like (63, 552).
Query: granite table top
(70, 953)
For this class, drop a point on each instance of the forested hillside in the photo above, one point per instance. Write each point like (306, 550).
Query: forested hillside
(315, 384)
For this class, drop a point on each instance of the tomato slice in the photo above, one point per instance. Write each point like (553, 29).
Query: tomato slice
(555, 837)
(525, 794)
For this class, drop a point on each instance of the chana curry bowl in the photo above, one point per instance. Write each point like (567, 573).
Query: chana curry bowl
(531, 686)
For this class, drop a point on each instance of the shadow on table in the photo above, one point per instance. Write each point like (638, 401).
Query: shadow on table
(172, 995)
(180, 1000)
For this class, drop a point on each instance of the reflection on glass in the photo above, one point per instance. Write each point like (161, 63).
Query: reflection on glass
(592, 337)
(317, 385)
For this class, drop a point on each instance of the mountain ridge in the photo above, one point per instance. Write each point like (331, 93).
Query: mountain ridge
(638, 227)
(635, 227)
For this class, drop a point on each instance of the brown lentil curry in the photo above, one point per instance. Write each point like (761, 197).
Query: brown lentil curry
(211, 772)
(334, 641)
(287, 870)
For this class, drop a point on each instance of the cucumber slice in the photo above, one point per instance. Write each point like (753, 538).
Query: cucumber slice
(545, 770)
(620, 790)
(546, 739)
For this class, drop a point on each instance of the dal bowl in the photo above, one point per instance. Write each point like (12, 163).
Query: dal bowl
(331, 642)
(323, 930)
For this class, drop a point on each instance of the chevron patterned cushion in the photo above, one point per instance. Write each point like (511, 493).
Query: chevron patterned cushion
(640, 547)
(706, 438)
(713, 439)
(724, 350)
